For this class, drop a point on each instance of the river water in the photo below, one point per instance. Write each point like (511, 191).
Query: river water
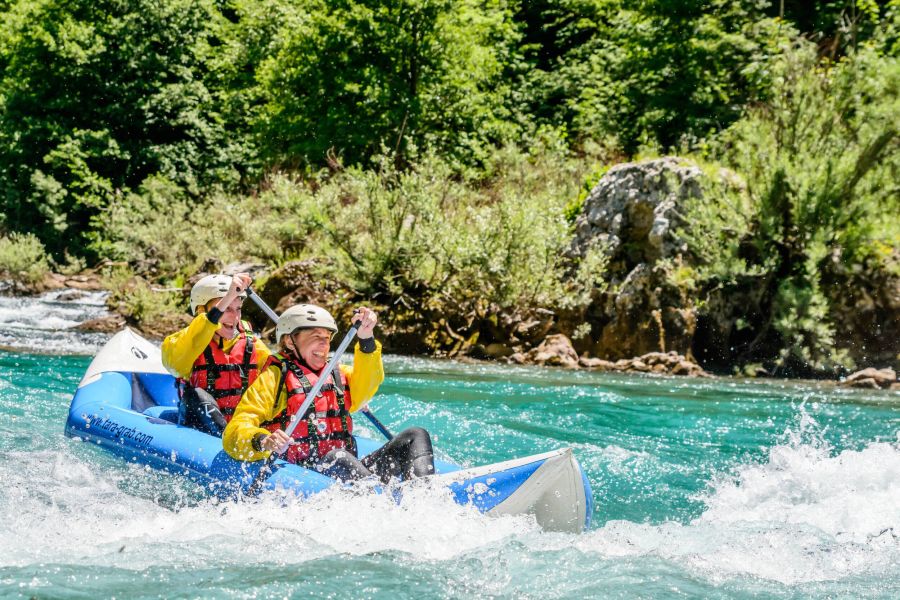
(702, 489)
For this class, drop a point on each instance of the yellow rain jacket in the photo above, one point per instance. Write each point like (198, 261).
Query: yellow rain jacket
(259, 404)
(181, 349)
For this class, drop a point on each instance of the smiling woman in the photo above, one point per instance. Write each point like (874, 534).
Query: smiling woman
(216, 357)
(284, 413)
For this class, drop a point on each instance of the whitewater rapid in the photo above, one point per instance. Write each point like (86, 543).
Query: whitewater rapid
(806, 515)
(46, 323)
(714, 488)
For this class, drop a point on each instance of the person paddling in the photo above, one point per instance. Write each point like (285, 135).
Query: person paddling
(323, 440)
(216, 357)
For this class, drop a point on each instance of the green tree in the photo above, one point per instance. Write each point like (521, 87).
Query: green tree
(835, 25)
(656, 72)
(95, 97)
(353, 76)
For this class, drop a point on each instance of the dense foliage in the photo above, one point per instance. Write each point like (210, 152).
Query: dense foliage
(441, 148)
(655, 73)
(821, 162)
(97, 96)
(352, 76)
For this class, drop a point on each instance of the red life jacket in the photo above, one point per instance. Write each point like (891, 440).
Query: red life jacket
(327, 423)
(227, 376)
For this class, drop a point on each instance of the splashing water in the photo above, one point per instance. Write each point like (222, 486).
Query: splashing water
(723, 488)
(45, 323)
(805, 515)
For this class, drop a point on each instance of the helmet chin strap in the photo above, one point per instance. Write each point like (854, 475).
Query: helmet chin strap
(295, 353)
(292, 348)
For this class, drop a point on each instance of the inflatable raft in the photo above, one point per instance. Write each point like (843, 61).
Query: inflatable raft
(127, 404)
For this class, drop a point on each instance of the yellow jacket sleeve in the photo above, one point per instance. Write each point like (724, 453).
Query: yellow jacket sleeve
(364, 376)
(181, 349)
(258, 404)
(262, 353)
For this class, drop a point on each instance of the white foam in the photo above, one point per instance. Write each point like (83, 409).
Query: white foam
(854, 495)
(45, 323)
(804, 515)
(785, 554)
(67, 511)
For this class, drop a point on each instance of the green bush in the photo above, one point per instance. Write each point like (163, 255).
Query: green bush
(160, 231)
(498, 242)
(717, 224)
(820, 161)
(137, 299)
(386, 232)
(23, 258)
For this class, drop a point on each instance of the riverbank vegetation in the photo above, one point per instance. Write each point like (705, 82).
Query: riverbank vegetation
(433, 155)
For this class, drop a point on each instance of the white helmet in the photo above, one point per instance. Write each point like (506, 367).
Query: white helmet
(304, 315)
(210, 288)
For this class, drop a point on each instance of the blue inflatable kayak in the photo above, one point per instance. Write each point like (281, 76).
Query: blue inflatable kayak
(127, 404)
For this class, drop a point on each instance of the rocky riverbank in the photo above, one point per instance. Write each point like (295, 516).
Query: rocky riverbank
(555, 350)
(650, 315)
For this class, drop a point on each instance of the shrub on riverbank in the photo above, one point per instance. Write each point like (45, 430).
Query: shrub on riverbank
(420, 236)
(23, 258)
(820, 161)
(155, 310)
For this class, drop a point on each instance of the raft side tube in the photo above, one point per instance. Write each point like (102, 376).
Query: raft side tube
(550, 486)
(127, 404)
(160, 443)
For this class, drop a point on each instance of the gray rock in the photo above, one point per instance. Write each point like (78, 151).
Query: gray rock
(635, 212)
(555, 351)
(596, 363)
(107, 324)
(636, 203)
(516, 358)
(871, 378)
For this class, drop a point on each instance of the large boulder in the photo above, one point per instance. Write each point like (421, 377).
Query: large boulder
(302, 281)
(162, 326)
(634, 213)
(634, 209)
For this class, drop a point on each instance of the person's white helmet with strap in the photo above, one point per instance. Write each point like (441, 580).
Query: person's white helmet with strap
(304, 315)
(210, 288)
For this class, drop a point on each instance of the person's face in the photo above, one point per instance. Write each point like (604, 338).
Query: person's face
(312, 345)
(229, 320)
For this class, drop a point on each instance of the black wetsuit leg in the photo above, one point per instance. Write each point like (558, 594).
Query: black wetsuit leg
(409, 454)
(198, 409)
(342, 465)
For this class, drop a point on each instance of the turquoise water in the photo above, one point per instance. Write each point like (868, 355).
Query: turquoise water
(702, 489)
